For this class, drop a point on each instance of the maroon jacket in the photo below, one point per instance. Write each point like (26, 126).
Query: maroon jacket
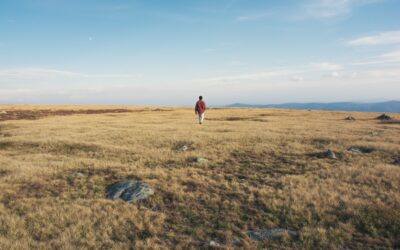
(200, 107)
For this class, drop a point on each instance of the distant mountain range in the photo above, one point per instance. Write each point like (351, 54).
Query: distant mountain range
(390, 106)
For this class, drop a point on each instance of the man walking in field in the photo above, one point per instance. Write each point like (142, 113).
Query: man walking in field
(200, 109)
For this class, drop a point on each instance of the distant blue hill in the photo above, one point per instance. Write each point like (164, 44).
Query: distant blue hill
(390, 106)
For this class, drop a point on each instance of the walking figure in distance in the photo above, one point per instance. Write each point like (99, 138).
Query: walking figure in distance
(200, 109)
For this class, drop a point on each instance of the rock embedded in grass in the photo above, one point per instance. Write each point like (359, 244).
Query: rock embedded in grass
(396, 162)
(272, 234)
(360, 150)
(78, 174)
(355, 150)
(384, 117)
(350, 118)
(129, 191)
(330, 154)
(183, 148)
(201, 160)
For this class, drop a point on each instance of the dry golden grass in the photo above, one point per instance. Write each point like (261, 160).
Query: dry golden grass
(263, 172)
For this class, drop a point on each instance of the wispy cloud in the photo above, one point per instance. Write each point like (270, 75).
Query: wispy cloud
(48, 73)
(258, 76)
(384, 38)
(326, 66)
(309, 9)
(387, 58)
(328, 8)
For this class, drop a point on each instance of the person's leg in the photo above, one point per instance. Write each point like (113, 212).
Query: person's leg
(199, 118)
(202, 118)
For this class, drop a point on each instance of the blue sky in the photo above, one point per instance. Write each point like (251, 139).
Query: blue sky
(149, 52)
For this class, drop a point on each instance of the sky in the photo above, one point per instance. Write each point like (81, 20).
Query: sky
(158, 52)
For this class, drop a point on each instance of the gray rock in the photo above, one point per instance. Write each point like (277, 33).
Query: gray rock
(78, 174)
(130, 191)
(355, 150)
(384, 117)
(397, 162)
(350, 118)
(183, 148)
(213, 244)
(237, 242)
(272, 234)
(201, 160)
(330, 154)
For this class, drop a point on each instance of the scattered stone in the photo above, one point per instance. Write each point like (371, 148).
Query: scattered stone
(355, 150)
(237, 242)
(129, 191)
(360, 150)
(78, 174)
(183, 148)
(384, 117)
(330, 154)
(201, 160)
(272, 234)
(350, 118)
(213, 244)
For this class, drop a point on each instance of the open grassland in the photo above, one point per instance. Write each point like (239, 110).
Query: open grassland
(264, 171)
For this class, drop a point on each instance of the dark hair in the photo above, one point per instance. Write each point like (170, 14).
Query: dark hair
(200, 97)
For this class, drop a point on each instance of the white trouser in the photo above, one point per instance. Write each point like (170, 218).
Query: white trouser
(201, 118)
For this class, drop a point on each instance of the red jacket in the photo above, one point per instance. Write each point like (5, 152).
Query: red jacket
(200, 106)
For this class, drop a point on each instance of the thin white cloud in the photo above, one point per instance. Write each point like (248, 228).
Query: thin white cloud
(265, 75)
(387, 58)
(333, 8)
(384, 38)
(308, 9)
(49, 73)
(326, 66)
(328, 8)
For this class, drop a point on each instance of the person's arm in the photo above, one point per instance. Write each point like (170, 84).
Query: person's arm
(196, 108)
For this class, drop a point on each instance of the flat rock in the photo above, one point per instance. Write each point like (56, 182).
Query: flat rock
(201, 160)
(78, 174)
(355, 150)
(272, 234)
(213, 244)
(183, 148)
(129, 191)
(330, 154)
(384, 117)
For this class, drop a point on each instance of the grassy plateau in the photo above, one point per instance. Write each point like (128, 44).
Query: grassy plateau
(264, 169)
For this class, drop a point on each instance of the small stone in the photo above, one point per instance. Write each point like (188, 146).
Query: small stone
(272, 234)
(355, 150)
(330, 154)
(349, 118)
(183, 148)
(78, 175)
(384, 117)
(129, 191)
(213, 244)
(396, 162)
(201, 160)
(237, 243)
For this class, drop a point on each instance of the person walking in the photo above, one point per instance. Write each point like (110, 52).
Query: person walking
(200, 109)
